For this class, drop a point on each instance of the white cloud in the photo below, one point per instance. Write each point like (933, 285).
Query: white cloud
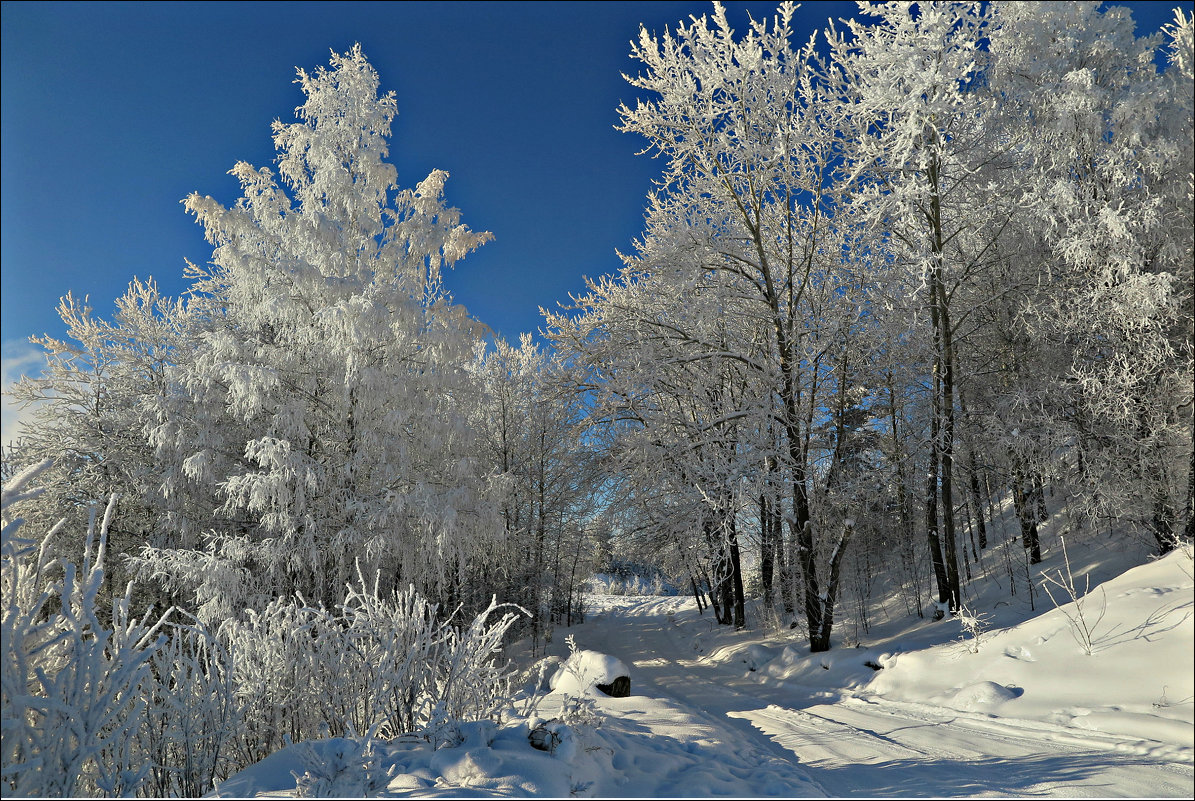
(18, 358)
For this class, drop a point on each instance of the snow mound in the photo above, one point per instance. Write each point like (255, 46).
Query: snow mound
(981, 696)
(646, 747)
(584, 670)
(842, 668)
(757, 656)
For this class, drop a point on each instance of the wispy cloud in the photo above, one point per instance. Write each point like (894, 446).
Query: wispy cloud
(18, 358)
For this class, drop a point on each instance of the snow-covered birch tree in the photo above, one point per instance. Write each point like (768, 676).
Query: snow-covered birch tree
(927, 156)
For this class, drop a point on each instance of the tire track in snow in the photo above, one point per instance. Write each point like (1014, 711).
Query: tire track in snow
(860, 747)
(818, 739)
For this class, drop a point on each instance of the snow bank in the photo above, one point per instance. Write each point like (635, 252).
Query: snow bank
(1137, 681)
(488, 760)
(645, 747)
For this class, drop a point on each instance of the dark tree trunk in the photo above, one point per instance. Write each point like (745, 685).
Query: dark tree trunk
(977, 503)
(726, 590)
(1039, 497)
(819, 639)
(931, 525)
(973, 481)
(767, 548)
(945, 339)
(714, 599)
(736, 572)
(784, 562)
(1026, 514)
(1162, 522)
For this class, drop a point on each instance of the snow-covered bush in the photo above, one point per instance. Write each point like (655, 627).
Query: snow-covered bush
(72, 682)
(384, 664)
(344, 768)
(974, 626)
(469, 683)
(191, 715)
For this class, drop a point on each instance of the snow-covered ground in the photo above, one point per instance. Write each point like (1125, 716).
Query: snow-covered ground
(1022, 710)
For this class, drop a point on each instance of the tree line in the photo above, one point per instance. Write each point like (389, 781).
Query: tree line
(934, 258)
(930, 260)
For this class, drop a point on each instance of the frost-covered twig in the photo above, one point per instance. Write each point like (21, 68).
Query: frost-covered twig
(974, 626)
(72, 684)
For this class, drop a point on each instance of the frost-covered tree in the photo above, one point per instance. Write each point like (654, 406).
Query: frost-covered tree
(92, 405)
(928, 155)
(530, 425)
(1106, 168)
(321, 420)
(738, 273)
(853, 267)
(678, 422)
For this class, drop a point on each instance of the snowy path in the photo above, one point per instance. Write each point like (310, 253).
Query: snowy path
(868, 746)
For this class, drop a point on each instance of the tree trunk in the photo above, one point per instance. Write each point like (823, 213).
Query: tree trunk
(1026, 514)
(1162, 522)
(944, 339)
(767, 548)
(784, 561)
(715, 601)
(697, 595)
(819, 639)
(1039, 497)
(736, 572)
(931, 507)
(973, 479)
(977, 503)
(908, 557)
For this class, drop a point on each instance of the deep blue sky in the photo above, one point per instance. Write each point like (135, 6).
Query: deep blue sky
(113, 112)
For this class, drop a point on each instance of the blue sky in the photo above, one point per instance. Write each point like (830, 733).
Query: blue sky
(113, 112)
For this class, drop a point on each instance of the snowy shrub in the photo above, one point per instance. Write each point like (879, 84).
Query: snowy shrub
(72, 700)
(191, 717)
(1083, 620)
(469, 684)
(381, 664)
(276, 700)
(974, 626)
(342, 768)
(576, 679)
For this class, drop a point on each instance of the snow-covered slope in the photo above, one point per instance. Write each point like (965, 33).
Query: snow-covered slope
(1118, 660)
(1020, 710)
